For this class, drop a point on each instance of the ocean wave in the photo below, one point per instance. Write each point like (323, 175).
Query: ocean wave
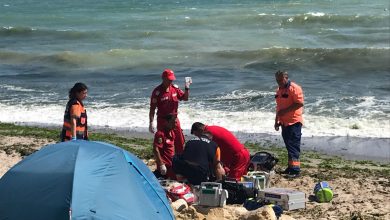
(242, 95)
(74, 59)
(337, 21)
(271, 20)
(244, 121)
(367, 107)
(15, 88)
(340, 58)
(28, 32)
(316, 14)
(367, 59)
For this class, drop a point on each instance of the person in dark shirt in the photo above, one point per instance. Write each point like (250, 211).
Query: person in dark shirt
(200, 161)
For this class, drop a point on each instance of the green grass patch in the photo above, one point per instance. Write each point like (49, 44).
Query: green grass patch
(143, 149)
(27, 131)
(140, 147)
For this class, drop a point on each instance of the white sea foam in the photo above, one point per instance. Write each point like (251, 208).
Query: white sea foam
(240, 94)
(316, 14)
(246, 122)
(50, 114)
(15, 88)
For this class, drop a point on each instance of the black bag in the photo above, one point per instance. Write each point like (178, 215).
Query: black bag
(262, 161)
(236, 192)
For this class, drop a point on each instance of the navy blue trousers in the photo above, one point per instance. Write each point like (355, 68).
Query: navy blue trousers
(292, 139)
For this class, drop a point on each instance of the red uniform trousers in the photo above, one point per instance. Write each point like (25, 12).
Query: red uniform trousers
(239, 165)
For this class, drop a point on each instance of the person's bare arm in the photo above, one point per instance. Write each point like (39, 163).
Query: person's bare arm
(157, 155)
(152, 111)
(73, 127)
(186, 94)
(219, 171)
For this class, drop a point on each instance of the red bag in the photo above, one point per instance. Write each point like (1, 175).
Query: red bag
(181, 191)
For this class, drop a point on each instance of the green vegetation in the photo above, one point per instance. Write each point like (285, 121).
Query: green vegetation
(26, 131)
(140, 147)
(355, 126)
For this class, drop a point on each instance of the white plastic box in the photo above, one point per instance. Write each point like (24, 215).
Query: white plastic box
(258, 181)
(261, 179)
(212, 194)
(288, 199)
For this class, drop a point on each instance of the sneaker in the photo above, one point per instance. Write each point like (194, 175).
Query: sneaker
(293, 174)
(286, 171)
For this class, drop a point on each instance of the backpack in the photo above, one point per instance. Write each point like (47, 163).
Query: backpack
(262, 161)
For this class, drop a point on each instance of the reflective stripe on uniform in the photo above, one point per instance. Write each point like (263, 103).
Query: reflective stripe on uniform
(294, 163)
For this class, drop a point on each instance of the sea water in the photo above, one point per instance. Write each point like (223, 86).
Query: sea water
(338, 51)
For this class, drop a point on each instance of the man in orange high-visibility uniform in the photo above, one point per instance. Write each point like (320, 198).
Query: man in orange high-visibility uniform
(289, 109)
(165, 98)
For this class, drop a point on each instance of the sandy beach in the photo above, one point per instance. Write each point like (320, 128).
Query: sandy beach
(337, 51)
(362, 190)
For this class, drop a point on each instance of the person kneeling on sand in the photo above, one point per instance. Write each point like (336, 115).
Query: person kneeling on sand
(200, 161)
(164, 148)
(234, 156)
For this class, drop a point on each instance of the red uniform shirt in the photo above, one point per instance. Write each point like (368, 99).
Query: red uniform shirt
(166, 100)
(286, 97)
(164, 141)
(227, 142)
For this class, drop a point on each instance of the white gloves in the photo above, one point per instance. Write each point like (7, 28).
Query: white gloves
(151, 128)
(163, 170)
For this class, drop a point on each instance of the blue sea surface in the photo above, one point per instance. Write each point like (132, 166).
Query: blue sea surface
(338, 51)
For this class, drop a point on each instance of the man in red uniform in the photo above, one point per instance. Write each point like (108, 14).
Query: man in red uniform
(234, 156)
(165, 98)
(164, 148)
(289, 109)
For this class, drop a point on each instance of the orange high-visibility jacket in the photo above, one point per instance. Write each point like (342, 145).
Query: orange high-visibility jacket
(75, 109)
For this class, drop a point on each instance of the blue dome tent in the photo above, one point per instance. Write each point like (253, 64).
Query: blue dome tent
(82, 180)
